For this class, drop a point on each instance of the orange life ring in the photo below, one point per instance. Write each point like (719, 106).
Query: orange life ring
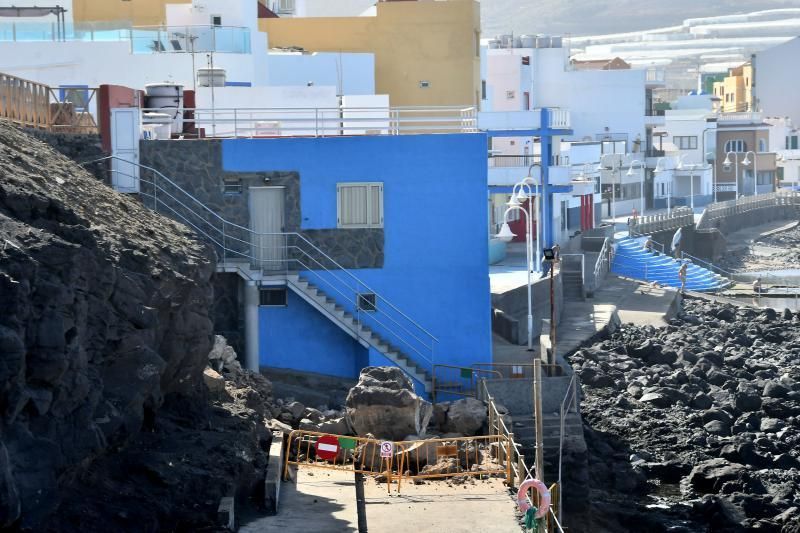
(544, 497)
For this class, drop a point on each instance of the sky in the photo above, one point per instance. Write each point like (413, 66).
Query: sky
(592, 17)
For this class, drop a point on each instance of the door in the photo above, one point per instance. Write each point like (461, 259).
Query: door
(267, 222)
(125, 149)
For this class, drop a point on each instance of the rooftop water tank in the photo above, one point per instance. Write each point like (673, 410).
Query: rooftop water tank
(494, 43)
(166, 98)
(527, 41)
(156, 126)
(211, 77)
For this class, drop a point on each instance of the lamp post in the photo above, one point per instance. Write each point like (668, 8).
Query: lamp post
(746, 162)
(641, 180)
(727, 163)
(506, 235)
(713, 173)
(669, 184)
(600, 168)
(692, 168)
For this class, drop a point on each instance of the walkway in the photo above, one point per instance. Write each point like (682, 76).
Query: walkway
(634, 302)
(325, 501)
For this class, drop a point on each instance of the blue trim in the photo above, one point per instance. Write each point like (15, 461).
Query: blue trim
(62, 94)
(542, 132)
(238, 84)
(508, 189)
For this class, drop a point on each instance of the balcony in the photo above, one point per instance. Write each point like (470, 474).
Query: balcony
(142, 39)
(524, 120)
(509, 175)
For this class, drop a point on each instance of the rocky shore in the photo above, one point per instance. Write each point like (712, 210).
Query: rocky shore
(779, 251)
(695, 426)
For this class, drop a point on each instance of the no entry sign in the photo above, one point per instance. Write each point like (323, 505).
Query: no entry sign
(328, 447)
(387, 448)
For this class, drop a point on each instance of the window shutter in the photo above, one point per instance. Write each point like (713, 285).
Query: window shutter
(359, 205)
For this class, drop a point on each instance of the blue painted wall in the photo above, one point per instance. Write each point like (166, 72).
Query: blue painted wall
(436, 250)
(326, 349)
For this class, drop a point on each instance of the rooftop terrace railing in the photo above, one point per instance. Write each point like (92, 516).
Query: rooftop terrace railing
(326, 122)
(142, 39)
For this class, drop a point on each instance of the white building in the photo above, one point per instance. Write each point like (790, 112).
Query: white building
(321, 8)
(784, 139)
(777, 79)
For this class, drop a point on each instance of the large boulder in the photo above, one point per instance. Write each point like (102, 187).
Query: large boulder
(383, 403)
(708, 476)
(466, 416)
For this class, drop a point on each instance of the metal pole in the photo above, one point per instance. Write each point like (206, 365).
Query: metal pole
(537, 407)
(641, 184)
(691, 188)
(528, 255)
(538, 229)
(552, 359)
(755, 174)
(361, 503)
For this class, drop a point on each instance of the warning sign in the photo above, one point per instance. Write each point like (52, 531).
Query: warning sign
(387, 449)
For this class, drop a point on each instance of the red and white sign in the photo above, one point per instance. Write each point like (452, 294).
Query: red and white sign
(328, 447)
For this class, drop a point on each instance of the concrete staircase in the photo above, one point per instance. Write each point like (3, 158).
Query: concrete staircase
(524, 428)
(572, 284)
(345, 320)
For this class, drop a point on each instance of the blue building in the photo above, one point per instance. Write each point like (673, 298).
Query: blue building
(343, 252)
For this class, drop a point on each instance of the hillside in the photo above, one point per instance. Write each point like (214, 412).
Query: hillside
(562, 17)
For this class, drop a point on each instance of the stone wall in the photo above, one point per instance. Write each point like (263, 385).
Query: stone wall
(514, 307)
(228, 311)
(196, 167)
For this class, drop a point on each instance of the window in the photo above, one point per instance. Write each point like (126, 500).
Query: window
(794, 142)
(483, 89)
(685, 142)
(272, 297)
(526, 60)
(232, 186)
(367, 301)
(216, 20)
(762, 145)
(359, 205)
(736, 145)
(510, 95)
(424, 84)
(765, 178)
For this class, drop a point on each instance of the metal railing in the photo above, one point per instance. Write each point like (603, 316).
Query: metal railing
(261, 255)
(519, 370)
(744, 204)
(458, 380)
(519, 471)
(680, 216)
(659, 247)
(603, 263)
(570, 401)
(325, 121)
(35, 105)
(505, 161)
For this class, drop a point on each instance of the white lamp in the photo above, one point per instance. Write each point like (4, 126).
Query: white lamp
(505, 234)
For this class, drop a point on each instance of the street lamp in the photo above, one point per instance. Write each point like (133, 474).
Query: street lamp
(727, 163)
(713, 173)
(641, 180)
(529, 181)
(691, 179)
(600, 168)
(746, 162)
(506, 235)
(658, 169)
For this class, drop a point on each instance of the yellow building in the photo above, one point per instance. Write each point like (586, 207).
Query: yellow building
(426, 53)
(135, 12)
(736, 90)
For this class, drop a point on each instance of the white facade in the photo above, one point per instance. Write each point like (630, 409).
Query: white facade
(91, 63)
(777, 79)
(784, 140)
(350, 73)
(603, 103)
(321, 8)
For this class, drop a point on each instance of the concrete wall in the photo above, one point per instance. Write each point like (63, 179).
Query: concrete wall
(137, 12)
(434, 271)
(514, 307)
(437, 42)
(776, 83)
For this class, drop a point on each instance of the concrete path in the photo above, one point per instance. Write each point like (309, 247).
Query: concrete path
(325, 501)
(634, 302)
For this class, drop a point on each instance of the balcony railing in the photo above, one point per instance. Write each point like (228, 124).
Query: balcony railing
(508, 161)
(654, 152)
(142, 39)
(740, 117)
(325, 122)
(655, 75)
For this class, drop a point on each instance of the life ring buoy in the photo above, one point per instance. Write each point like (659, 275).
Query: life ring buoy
(544, 497)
